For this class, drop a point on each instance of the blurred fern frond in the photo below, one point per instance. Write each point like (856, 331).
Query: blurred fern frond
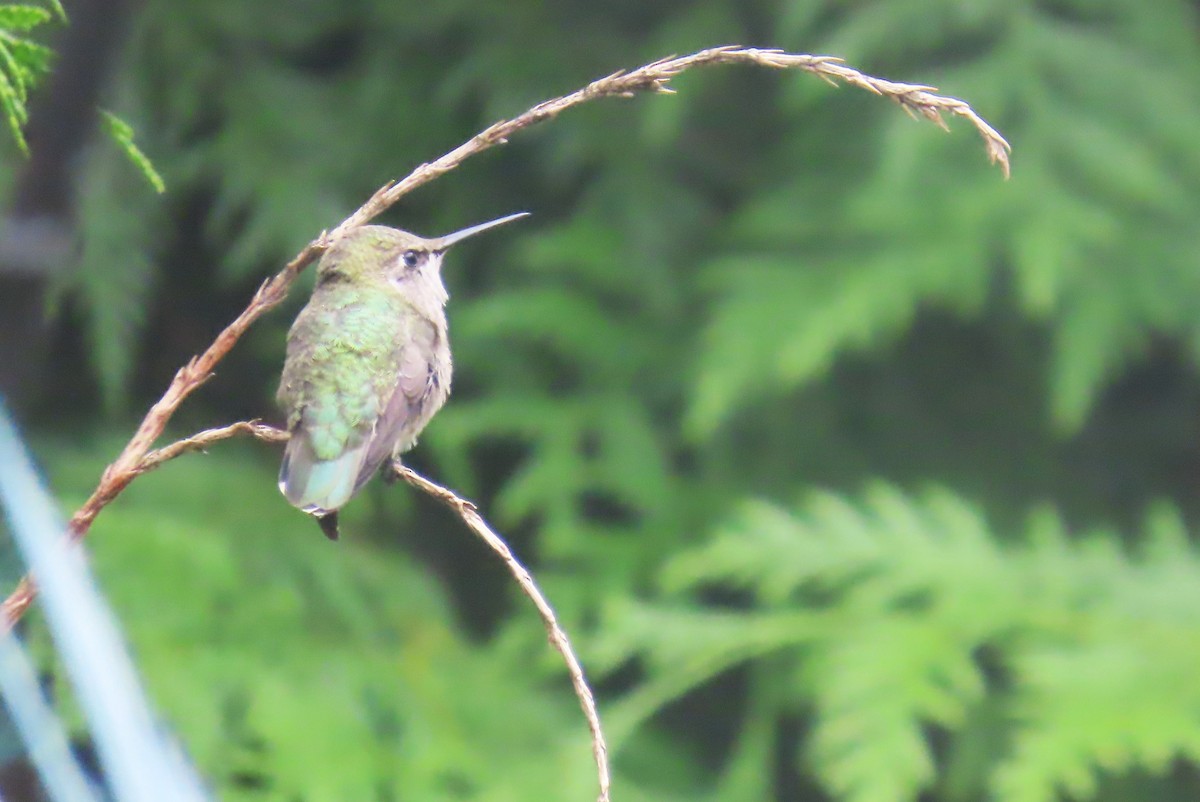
(1103, 109)
(115, 277)
(907, 617)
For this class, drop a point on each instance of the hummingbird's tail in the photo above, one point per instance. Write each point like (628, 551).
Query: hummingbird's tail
(319, 486)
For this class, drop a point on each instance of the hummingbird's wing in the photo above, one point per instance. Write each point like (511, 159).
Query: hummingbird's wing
(422, 385)
(337, 383)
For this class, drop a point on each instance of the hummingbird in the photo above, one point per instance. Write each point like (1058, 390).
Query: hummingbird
(368, 363)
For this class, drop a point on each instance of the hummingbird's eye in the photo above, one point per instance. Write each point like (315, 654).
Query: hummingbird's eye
(412, 258)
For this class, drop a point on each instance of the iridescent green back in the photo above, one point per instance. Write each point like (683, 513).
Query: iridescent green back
(343, 352)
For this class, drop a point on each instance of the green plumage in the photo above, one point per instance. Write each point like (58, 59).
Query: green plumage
(342, 371)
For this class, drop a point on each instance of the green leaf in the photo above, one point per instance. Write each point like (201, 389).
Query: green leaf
(22, 62)
(23, 17)
(14, 112)
(16, 73)
(121, 133)
(34, 57)
(57, 7)
(1095, 336)
(875, 689)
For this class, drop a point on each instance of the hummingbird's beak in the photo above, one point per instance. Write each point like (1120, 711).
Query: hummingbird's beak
(442, 243)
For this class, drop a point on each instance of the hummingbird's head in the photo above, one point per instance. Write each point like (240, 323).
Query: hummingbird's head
(410, 263)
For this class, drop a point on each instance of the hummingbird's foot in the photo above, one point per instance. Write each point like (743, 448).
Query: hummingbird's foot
(390, 471)
(328, 522)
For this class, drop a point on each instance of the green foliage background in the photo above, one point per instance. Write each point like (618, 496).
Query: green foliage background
(856, 472)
